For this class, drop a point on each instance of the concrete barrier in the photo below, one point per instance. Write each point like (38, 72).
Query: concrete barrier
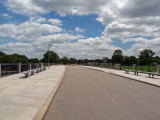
(134, 67)
(30, 66)
(36, 65)
(0, 71)
(158, 68)
(19, 68)
(117, 66)
(41, 65)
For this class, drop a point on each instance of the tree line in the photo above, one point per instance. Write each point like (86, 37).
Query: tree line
(145, 57)
(53, 58)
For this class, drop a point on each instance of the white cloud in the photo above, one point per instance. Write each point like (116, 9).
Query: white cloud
(61, 6)
(80, 30)
(123, 19)
(29, 30)
(55, 22)
(6, 15)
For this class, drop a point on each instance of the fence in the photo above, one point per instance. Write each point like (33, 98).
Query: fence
(10, 69)
(147, 68)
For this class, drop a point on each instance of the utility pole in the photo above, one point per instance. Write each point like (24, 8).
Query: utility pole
(49, 46)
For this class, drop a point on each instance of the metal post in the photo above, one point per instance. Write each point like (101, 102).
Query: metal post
(49, 46)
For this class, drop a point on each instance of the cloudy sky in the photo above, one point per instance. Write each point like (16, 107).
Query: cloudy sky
(79, 28)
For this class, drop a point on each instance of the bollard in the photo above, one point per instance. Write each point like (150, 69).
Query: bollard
(117, 66)
(134, 67)
(29, 66)
(0, 71)
(158, 68)
(36, 65)
(19, 68)
(41, 65)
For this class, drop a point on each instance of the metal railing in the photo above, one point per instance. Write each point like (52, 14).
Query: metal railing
(8, 69)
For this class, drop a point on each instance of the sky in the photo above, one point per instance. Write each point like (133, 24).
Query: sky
(79, 28)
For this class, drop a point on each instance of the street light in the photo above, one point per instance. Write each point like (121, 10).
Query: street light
(49, 46)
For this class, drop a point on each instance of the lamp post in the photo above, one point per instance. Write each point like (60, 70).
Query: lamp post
(49, 46)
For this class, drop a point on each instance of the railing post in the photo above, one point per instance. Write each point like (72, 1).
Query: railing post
(134, 67)
(158, 68)
(29, 66)
(19, 67)
(36, 65)
(41, 65)
(0, 71)
(117, 66)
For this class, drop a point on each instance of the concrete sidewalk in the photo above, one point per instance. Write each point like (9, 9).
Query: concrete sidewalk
(141, 77)
(22, 98)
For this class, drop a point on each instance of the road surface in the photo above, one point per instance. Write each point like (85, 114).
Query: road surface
(87, 94)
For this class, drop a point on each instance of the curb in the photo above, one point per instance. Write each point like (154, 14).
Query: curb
(94, 69)
(127, 77)
(136, 80)
(42, 111)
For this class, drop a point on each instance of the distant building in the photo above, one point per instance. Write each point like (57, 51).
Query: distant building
(105, 59)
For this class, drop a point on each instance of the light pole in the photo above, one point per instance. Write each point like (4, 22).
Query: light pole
(49, 46)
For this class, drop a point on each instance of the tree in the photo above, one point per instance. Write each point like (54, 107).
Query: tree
(145, 57)
(129, 60)
(15, 58)
(52, 56)
(126, 60)
(2, 57)
(64, 60)
(34, 60)
(117, 56)
(132, 60)
(156, 59)
(72, 61)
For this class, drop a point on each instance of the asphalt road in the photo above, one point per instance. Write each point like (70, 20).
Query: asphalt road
(87, 94)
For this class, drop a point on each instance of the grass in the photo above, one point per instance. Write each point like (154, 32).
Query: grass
(127, 67)
(141, 68)
(147, 68)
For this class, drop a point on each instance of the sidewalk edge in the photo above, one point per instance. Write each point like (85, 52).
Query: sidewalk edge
(136, 80)
(127, 77)
(42, 111)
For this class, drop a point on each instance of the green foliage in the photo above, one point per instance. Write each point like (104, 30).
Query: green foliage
(34, 60)
(53, 57)
(145, 57)
(14, 58)
(117, 56)
(129, 60)
(156, 60)
(64, 60)
(2, 57)
(72, 61)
